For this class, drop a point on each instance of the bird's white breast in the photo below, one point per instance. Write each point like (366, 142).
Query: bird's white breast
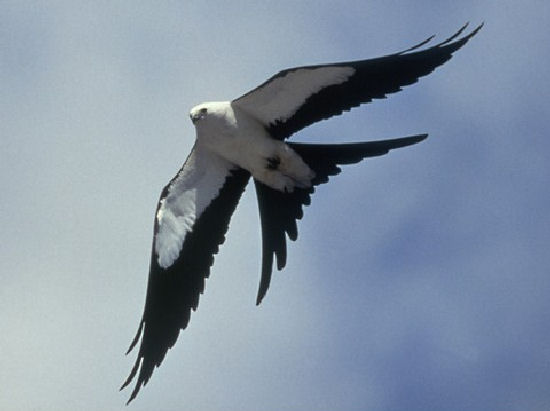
(234, 135)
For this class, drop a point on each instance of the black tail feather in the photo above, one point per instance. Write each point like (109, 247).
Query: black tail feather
(279, 211)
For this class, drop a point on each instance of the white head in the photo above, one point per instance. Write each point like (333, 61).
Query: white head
(211, 113)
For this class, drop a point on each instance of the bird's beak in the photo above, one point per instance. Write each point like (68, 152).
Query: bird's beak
(196, 116)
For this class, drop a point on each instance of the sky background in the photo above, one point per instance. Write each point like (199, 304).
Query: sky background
(420, 280)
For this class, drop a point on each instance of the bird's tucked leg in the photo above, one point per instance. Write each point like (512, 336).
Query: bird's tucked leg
(284, 170)
(273, 163)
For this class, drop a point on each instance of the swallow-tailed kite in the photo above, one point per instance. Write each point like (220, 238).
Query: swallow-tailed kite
(246, 137)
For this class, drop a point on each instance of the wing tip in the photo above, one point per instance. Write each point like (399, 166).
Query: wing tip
(419, 137)
(128, 380)
(145, 372)
(136, 338)
(448, 41)
(472, 33)
(133, 395)
(410, 141)
(416, 46)
(463, 40)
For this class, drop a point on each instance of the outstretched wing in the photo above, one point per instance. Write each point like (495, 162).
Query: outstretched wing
(279, 211)
(297, 97)
(191, 221)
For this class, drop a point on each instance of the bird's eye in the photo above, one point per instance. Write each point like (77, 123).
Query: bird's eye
(203, 110)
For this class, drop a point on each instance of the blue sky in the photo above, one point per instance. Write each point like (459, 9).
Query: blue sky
(419, 281)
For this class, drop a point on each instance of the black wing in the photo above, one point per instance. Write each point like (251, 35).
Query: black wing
(279, 211)
(174, 291)
(298, 97)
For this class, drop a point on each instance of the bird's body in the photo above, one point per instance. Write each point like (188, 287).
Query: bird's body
(233, 134)
(244, 138)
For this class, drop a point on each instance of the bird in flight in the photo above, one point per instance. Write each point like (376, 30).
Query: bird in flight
(244, 138)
